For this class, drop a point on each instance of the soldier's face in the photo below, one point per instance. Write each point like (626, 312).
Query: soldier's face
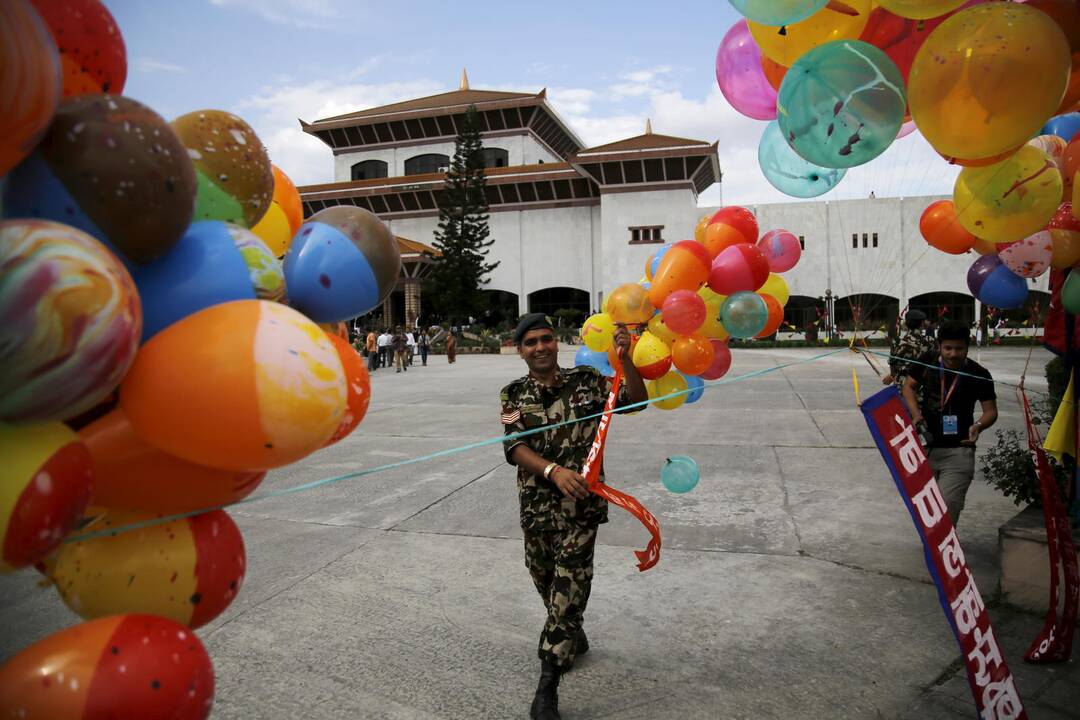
(540, 350)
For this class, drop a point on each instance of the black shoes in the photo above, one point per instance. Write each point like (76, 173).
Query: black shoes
(545, 704)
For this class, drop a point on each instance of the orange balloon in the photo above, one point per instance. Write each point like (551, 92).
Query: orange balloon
(131, 475)
(692, 354)
(358, 385)
(244, 385)
(685, 266)
(629, 304)
(1067, 16)
(774, 72)
(30, 76)
(1065, 246)
(288, 197)
(776, 316)
(720, 236)
(941, 229)
(984, 247)
(699, 229)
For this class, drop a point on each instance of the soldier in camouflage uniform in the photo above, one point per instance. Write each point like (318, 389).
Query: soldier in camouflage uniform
(915, 343)
(559, 516)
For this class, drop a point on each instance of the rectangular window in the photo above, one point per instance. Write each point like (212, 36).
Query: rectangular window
(802, 242)
(874, 239)
(864, 239)
(646, 234)
(854, 240)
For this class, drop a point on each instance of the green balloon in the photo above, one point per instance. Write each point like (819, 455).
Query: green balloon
(744, 314)
(1070, 293)
(213, 203)
(841, 104)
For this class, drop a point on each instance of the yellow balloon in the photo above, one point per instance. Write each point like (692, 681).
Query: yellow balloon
(712, 328)
(920, 9)
(987, 79)
(629, 304)
(598, 332)
(1065, 248)
(1076, 195)
(787, 44)
(659, 328)
(652, 356)
(776, 286)
(699, 230)
(1009, 200)
(670, 383)
(709, 296)
(274, 230)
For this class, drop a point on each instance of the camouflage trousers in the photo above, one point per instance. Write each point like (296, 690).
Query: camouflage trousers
(561, 564)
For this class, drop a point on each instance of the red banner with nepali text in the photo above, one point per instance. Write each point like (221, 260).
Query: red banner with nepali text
(651, 554)
(992, 684)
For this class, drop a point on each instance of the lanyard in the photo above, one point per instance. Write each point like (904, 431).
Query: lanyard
(945, 397)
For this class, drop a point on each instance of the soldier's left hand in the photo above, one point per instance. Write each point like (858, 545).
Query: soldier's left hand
(622, 338)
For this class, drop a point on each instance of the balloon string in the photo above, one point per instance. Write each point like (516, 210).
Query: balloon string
(431, 456)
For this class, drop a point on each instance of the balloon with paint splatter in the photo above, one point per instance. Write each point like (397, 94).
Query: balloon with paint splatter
(740, 75)
(777, 12)
(841, 104)
(284, 216)
(684, 267)
(45, 486)
(30, 76)
(683, 312)
(357, 385)
(113, 168)
(187, 570)
(1031, 256)
(744, 314)
(788, 172)
(782, 249)
(244, 385)
(692, 354)
(629, 304)
(342, 263)
(91, 47)
(71, 321)
(651, 356)
(900, 37)
(127, 666)
(1009, 200)
(236, 181)
(680, 474)
(787, 43)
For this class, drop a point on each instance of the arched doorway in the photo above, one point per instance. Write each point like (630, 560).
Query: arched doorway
(866, 312)
(803, 314)
(502, 308)
(568, 305)
(942, 306)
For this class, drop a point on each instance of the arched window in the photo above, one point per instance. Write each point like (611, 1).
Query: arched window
(369, 169)
(496, 157)
(424, 164)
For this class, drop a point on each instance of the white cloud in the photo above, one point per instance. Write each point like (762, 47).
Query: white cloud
(320, 14)
(149, 65)
(274, 113)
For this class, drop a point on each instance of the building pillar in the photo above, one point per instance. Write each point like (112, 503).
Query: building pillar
(412, 301)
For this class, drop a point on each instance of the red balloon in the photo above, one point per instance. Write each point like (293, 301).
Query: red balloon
(900, 38)
(776, 316)
(739, 218)
(91, 48)
(684, 312)
(1064, 219)
(123, 666)
(721, 362)
(739, 268)
(685, 266)
(357, 386)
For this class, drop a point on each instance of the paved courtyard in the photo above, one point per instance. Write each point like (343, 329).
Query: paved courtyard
(791, 584)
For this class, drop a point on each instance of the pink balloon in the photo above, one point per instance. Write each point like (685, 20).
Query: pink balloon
(684, 311)
(738, 268)
(906, 129)
(721, 361)
(782, 250)
(1029, 257)
(741, 77)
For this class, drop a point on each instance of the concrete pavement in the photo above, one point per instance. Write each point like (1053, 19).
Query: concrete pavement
(792, 582)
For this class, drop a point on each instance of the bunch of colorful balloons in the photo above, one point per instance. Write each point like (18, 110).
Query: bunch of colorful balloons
(840, 80)
(695, 296)
(158, 358)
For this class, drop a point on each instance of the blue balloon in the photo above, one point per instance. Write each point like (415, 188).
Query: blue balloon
(1004, 289)
(204, 268)
(696, 386)
(329, 279)
(656, 258)
(680, 474)
(1064, 126)
(592, 358)
(788, 172)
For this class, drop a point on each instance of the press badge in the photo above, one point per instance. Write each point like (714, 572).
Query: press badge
(948, 424)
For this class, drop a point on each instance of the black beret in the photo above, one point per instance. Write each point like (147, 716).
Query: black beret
(915, 315)
(532, 321)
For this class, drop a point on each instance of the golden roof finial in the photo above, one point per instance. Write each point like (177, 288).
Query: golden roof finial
(464, 80)
(648, 126)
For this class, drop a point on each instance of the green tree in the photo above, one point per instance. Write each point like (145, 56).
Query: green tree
(459, 274)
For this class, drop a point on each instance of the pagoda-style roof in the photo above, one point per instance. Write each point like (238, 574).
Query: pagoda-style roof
(436, 118)
(516, 187)
(650, 161)
(413, 248)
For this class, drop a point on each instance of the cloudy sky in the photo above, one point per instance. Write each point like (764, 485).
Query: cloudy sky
(607, 66)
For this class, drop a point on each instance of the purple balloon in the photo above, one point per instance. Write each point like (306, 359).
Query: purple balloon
(980, 270)
(741, 77)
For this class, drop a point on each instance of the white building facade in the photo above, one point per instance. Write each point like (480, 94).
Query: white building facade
(571, 223)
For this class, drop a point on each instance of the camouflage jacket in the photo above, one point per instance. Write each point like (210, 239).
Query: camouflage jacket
(526, 405)
(913, 345)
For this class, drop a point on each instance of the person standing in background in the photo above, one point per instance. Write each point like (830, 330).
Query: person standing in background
(422, 342)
